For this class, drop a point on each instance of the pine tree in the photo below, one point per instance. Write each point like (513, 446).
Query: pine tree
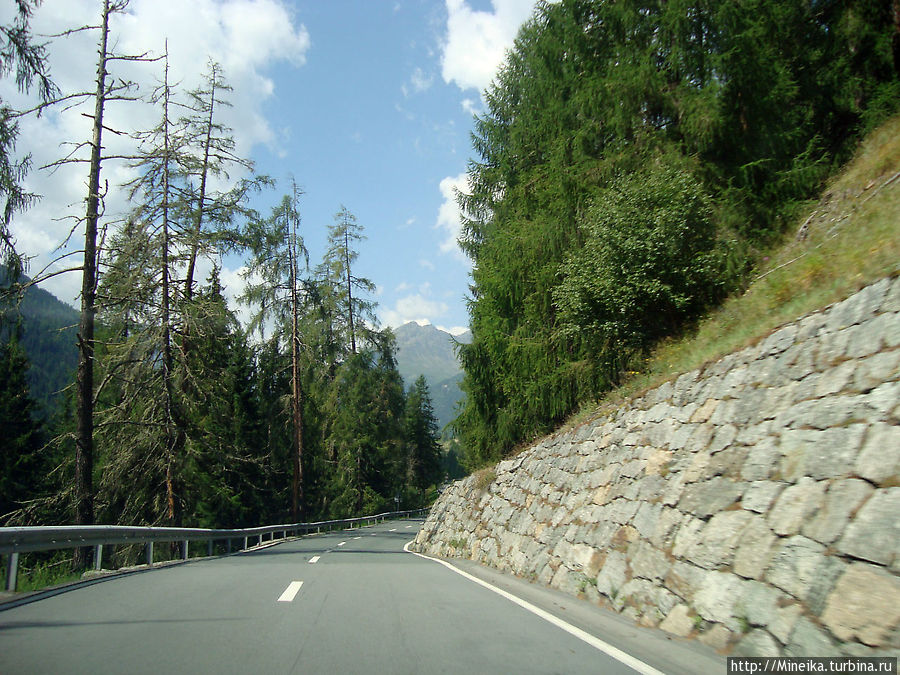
(21, 464)
(423, 451)
(18, 53)
(337, 270)
(278, 252)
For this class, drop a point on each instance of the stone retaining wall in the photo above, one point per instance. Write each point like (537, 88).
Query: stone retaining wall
(754, 503)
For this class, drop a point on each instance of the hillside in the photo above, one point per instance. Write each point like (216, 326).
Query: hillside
(48, 336)
(743, 490)
(429, 351)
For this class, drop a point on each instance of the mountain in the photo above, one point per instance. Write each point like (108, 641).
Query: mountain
(48, 337)
(428, 351)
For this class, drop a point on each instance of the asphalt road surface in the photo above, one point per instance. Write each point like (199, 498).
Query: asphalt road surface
(344, 602)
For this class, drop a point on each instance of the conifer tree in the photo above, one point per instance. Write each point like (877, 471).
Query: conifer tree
(423, 450)
(21, 464)
(19, 54)
(337, 269)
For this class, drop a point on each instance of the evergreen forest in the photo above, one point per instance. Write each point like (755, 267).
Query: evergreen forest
(635, 162)
(176, 412)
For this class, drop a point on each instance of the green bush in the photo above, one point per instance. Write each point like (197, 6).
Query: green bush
(651, 260)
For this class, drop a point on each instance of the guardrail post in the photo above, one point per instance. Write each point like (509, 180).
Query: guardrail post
(98, 557)
(228, 545)
(149, 554)
(184, 550)
(245, 543)
(12, 571)
(209, 546)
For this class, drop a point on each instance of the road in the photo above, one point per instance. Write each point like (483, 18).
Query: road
(344, 602)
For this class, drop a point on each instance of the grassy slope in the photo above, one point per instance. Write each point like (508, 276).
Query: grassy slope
(852, 239)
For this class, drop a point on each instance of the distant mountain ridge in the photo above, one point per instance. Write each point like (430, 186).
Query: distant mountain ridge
(429, 351)
(48, 337)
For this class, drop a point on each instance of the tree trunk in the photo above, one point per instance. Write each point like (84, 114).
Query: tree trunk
(84, 401)
(173, 512)
(198, 221)
(349, 290)
(296, 387)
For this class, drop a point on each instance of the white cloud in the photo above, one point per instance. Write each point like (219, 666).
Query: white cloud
(246, 37)
(475, 43)
(453, 330)
(470, 106)
(420, 81)
(449, 218)
(415, 307)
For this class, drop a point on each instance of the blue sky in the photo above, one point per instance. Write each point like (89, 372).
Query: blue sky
(366, 103)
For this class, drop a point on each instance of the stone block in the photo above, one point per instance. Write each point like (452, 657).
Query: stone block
(879, 460)
(717, 597)
(756, 433)
(718, 637)
(697, 469)
(762, 460)
(874, 534)
(663, 535)
(836, 380)
(705, 411)
(891, 302)
(841, 501)
(784, 620)
(649, 562)
(757, 643)
(723, 438)
(863, 341)
(779, 341)
(728, 462)
(718, 541)
(758, 603)
(821, 454)
(684, 579)
(882, 403)
(864, 605)
(679, 621)
(687, 535)
(760, 495)
(809, 640)
(709, 497)
(613, 574)
(796, 505)
(755, 549)
(645, 519)
(801, 568)
(875, 370)
(587, 559)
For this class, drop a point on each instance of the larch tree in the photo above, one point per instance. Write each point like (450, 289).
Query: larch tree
(276, 290)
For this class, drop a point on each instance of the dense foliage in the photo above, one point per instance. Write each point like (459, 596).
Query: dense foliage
(633, 158)
(197, 420)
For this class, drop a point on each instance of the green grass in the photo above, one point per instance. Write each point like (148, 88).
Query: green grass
(852, 240)
(33, 576)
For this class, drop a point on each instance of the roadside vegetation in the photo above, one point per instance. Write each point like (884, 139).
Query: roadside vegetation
(641, 176)
(848, 239)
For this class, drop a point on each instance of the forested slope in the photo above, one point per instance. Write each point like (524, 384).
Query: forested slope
(635, 162)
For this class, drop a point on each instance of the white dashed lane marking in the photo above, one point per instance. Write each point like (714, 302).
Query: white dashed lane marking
(291, 591)
(314, 559)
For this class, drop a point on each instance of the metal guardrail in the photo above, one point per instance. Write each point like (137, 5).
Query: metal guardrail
(16, 540)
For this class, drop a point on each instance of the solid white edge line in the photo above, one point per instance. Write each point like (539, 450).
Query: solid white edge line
(291, 591)
(595, 642)
(314, 559)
